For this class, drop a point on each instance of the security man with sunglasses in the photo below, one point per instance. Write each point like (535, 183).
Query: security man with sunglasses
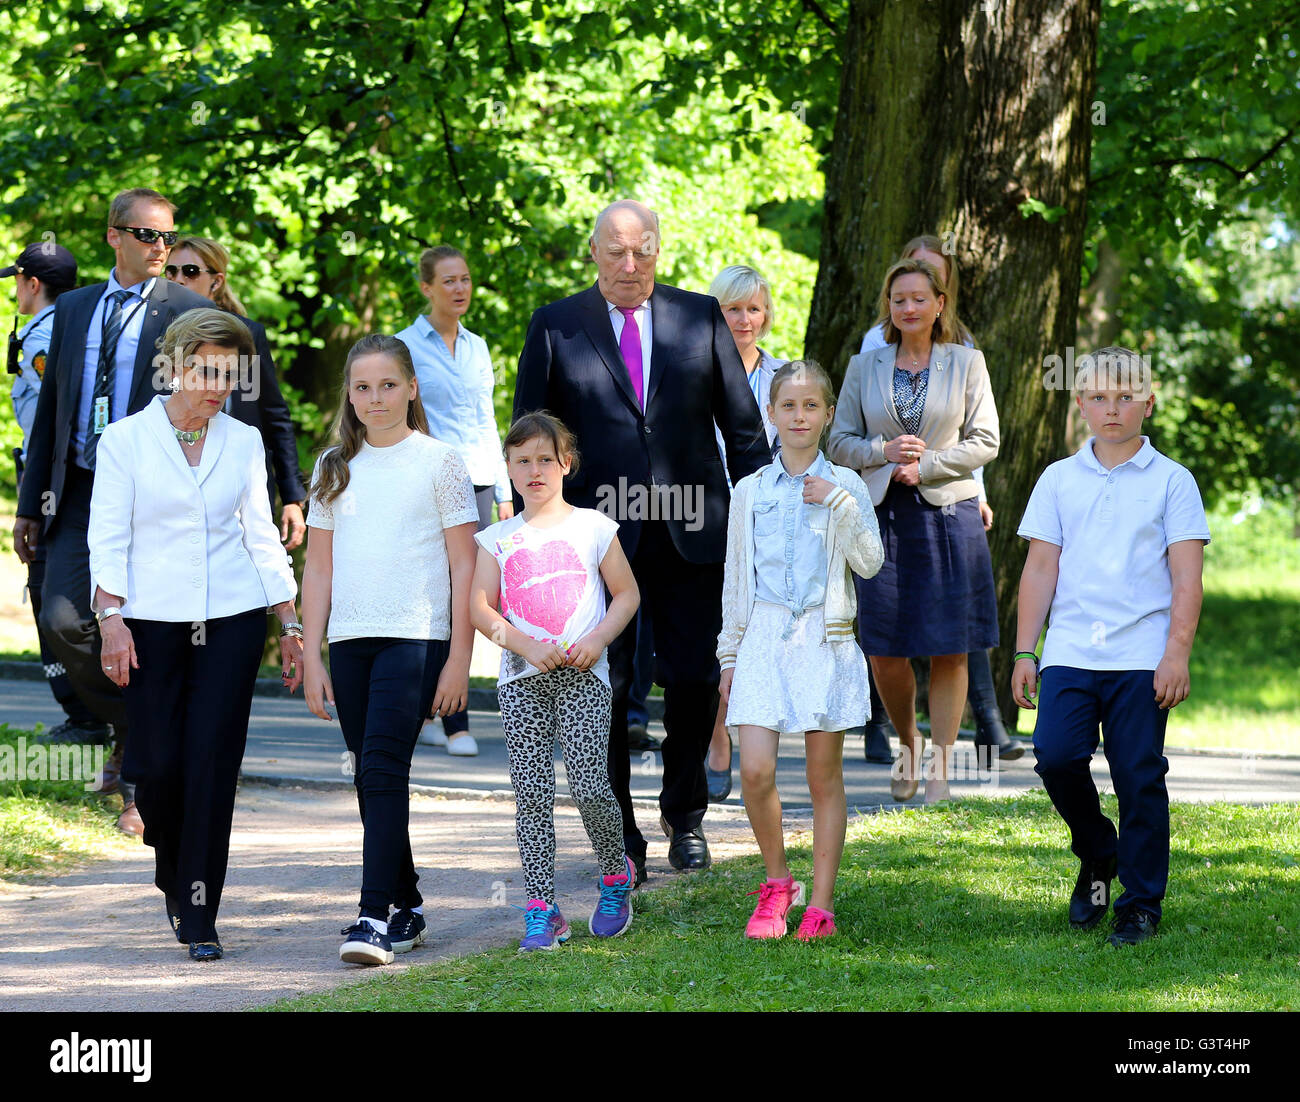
(99, 368)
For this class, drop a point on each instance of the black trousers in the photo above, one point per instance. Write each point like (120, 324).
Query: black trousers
(55, 673)
(189, 704)
(383, 689)
(684, 602)
(65, 615)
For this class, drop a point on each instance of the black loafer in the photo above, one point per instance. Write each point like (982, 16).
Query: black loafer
(876, 748)
(1091, 896)
(719, 784)
(174, 917)
(203, 951)
(1132, 927)
(687, 849)
(639, 740)
(638, 863)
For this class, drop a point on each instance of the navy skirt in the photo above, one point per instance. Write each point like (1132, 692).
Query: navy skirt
(934, 594)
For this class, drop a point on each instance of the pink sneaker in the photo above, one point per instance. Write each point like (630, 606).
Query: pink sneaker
(816, 923)
(775, 898)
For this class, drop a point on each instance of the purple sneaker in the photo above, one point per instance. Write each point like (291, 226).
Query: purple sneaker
(613, 913)
(544, 927)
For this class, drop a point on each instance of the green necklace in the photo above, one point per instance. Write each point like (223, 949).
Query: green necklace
(191, 438)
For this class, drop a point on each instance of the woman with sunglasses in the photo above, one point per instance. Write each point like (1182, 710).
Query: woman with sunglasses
(200, 264)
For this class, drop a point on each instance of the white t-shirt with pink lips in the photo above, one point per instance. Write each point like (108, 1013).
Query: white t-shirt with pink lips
(551, 588)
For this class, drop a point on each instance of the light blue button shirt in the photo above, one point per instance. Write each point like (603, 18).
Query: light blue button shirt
(456, 390)
(35, 336)
(789, 538)
(133, 311)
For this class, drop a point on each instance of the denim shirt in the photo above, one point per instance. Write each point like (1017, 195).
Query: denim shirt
(789, 539)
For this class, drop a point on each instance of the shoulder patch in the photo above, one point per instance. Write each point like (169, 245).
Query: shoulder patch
(38, 364)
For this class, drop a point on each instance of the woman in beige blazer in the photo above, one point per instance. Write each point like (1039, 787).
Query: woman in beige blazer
(916, 418)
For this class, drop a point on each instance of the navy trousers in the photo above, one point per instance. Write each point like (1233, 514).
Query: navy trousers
(1072, 705)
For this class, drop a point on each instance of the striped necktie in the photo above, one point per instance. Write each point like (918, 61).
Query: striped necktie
(105, 371)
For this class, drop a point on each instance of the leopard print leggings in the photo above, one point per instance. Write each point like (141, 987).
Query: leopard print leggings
(573, 705)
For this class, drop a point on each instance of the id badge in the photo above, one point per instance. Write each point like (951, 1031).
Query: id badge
(100, 416)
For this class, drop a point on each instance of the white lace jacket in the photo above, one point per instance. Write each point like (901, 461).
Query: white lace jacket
(852, 541)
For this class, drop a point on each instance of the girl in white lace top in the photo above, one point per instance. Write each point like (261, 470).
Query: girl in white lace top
(390, 555)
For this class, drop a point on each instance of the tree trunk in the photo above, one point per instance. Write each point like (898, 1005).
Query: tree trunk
(952, 114)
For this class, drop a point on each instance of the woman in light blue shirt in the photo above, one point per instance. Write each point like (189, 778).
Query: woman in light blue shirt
(454, 369)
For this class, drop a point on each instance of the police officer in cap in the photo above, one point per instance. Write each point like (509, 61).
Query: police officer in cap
(42, 272)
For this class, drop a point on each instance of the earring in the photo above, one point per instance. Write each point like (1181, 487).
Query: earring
(175, 385)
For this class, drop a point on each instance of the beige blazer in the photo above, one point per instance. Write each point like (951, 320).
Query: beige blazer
(959, 423)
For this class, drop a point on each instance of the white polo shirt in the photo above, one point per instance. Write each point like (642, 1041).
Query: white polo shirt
(1114, 527)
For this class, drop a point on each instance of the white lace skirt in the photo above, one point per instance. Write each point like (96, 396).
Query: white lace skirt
(797, 684)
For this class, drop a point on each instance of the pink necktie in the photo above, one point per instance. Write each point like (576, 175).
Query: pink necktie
(629, 344)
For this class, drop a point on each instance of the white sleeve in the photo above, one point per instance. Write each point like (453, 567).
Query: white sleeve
(1042, 519)
(261, 537)
(112, 508)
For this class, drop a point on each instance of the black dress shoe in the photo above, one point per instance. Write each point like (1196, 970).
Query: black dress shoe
(687, 849)
(1091, 896)
(78, 734)
(203, 951)
(639, 740)
(1133, 926)
(719, 784)
(174, 917)
(876, 748)
(639, 865)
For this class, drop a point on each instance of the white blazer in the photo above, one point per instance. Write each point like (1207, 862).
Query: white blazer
(184, 543)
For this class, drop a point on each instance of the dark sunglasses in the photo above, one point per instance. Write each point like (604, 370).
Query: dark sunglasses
(189, 271)
(146, 236)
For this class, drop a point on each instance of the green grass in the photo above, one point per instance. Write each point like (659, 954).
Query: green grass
(960, 907)
(50, 826)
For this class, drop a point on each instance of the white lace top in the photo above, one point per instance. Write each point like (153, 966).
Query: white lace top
(391, 576)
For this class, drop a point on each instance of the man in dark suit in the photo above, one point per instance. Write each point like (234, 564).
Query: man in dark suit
(100, 368)
(640, 371)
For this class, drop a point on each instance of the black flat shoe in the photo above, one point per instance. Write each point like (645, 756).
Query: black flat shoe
(638, 863)
(687, 849)
(639, 740)
(203, 951)
(1090, 899)
(719, 784)
(1132, 927)
(174, 917)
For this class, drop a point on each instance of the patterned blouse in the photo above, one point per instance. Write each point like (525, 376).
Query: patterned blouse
(909, 397)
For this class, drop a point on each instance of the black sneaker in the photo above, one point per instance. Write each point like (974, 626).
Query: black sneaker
(79, 734)
(365, 945)
(1091, 896)
(405, 930)
(1132, 927)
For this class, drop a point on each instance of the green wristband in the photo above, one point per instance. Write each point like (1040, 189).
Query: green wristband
(1026, 654)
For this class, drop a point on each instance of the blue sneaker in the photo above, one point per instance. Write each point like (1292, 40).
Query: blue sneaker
(405, 930)
(613, 913)
(544, 927)
(365, 945)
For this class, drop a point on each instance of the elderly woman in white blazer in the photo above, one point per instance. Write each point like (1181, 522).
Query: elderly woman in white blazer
(915, 419)
(184, 562)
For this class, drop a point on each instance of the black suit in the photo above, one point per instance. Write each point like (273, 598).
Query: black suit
(269, 414)
(571, 365)
(56, 490)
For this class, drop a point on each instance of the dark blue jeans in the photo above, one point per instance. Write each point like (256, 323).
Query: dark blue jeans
(1072, 704)
(383, 689)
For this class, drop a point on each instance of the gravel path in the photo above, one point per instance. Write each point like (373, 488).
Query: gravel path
(97, 939)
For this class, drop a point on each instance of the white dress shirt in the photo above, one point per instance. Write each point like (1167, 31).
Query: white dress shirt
(645, 327)
(128, 341)
(184, 543)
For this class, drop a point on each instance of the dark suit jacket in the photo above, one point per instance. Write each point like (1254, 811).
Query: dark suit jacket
(48, 453)
(571, 366)
(270, 416)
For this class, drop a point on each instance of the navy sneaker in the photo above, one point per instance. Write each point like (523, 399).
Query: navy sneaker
(613, 913)
(405, 930)
(365, 945)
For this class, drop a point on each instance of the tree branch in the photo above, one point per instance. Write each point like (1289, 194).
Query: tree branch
(1239, 174)
(820, 13)
(451, 158)
(455, 30)
(510, 42)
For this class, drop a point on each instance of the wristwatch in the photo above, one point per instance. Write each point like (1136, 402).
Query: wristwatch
(104, 613)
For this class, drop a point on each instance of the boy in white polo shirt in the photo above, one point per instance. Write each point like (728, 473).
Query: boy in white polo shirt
(1117, 537)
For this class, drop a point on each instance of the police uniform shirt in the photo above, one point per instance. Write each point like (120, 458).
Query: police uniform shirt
(35, 339)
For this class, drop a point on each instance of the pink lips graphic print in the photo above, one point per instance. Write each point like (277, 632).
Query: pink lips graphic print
(544, 586)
